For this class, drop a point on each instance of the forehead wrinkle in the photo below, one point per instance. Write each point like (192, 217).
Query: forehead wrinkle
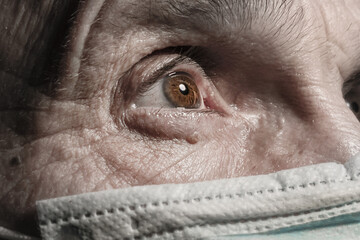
(215, 15)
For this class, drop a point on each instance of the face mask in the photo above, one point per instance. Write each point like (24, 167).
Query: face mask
(319, 201)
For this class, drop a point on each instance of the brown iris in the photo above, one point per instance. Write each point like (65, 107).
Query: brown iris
(181, 90)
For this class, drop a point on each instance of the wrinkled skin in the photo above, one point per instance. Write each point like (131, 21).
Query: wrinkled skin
(275, 100)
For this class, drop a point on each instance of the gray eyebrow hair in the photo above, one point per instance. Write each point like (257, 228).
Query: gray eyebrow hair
(222, 15)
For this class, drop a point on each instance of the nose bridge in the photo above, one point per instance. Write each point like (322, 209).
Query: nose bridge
(308, 124)
(333, 128)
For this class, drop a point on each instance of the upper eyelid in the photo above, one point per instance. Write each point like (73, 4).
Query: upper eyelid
(144, 85)
(159, 73)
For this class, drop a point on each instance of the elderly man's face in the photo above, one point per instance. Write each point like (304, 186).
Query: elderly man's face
(151, 92)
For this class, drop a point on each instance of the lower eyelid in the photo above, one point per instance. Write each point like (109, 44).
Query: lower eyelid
(170, 123)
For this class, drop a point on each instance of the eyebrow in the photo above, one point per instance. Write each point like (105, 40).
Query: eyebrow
(223, 15)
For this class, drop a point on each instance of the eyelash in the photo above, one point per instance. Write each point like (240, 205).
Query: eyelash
(181, 65)
(192, 60)
(160, 73)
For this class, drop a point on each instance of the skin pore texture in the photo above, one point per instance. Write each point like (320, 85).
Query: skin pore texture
(74, 118)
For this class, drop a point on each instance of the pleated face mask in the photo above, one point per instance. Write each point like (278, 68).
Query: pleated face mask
(318, 202)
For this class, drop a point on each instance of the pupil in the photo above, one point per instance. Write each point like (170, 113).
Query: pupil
(183, 89)
(354, 107)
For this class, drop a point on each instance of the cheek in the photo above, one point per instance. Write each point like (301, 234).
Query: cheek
(142, 160)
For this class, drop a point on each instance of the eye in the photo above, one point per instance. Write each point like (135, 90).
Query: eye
(171, 95)
(173, 81)
(176, 89)
(352, 99)
(181, 90)
(352, 95)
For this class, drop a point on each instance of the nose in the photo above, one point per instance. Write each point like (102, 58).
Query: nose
(338, 126)
(300, 126)
(327, 126)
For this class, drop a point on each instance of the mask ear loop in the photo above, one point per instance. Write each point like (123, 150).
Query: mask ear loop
(12, 235)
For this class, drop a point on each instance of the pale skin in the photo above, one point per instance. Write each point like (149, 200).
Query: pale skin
(272, 98)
